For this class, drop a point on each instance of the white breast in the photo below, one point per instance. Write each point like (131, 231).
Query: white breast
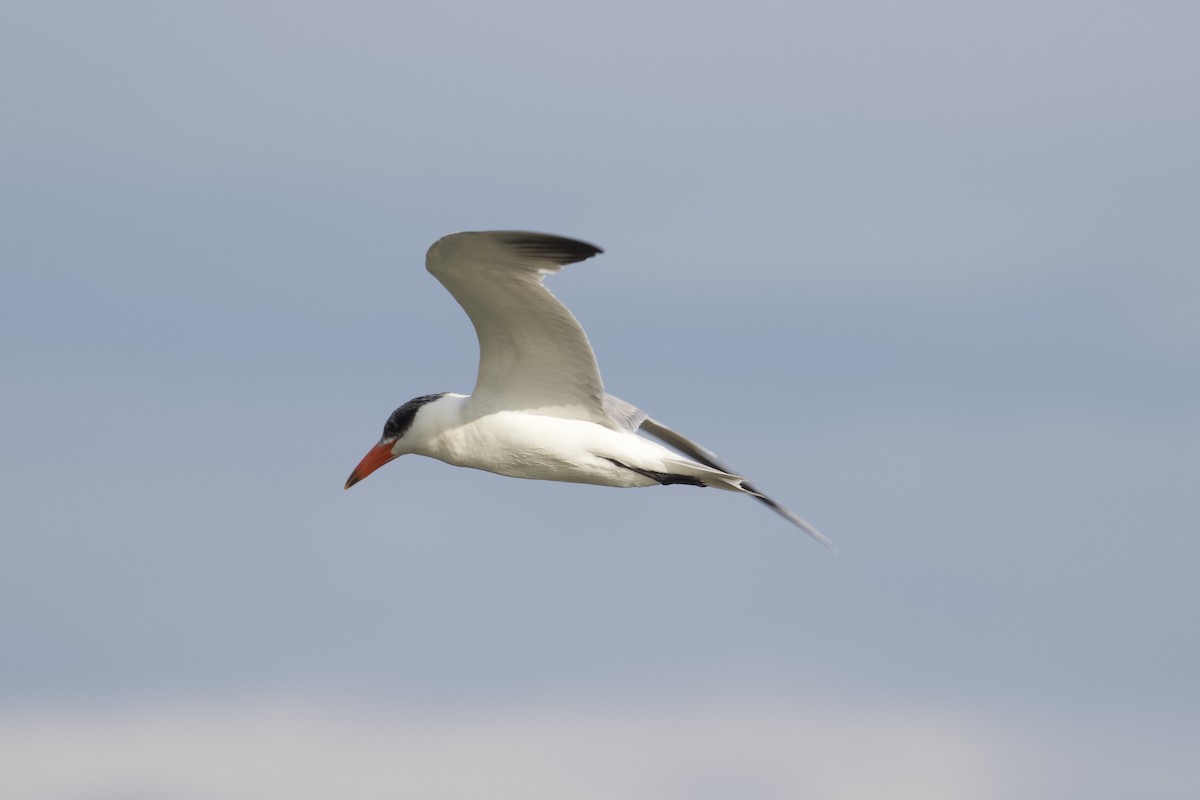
(524, 445)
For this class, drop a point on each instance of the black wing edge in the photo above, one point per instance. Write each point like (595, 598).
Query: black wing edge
(558, 249)
(709, 459)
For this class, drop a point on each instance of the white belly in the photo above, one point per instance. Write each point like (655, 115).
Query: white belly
(523, 445)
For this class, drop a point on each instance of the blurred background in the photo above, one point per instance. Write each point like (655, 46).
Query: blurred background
(927, 272)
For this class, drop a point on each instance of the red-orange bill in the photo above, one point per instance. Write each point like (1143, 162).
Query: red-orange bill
(375, 458)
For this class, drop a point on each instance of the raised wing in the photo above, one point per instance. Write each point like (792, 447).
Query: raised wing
(706, 457)
(533, 354)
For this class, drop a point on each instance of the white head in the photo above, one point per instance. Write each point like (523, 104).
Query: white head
(393, 443)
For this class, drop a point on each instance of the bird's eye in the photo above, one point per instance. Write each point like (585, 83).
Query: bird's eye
(402, 418)
(398, 422)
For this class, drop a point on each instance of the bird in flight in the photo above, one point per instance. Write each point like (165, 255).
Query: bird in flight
(539, 409)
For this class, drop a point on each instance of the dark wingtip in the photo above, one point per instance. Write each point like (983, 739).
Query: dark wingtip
(558, 249)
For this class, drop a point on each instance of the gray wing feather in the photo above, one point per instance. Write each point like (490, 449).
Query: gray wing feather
(625, 416)
(706, 457)
(533, 354)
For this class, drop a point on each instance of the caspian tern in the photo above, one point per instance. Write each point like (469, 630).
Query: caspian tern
(539, 409)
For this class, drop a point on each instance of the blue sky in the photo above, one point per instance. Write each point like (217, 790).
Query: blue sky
(927, 272)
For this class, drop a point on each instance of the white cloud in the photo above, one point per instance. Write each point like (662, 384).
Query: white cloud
(715, 749)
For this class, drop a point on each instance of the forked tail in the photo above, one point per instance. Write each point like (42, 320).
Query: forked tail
(721, 476)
